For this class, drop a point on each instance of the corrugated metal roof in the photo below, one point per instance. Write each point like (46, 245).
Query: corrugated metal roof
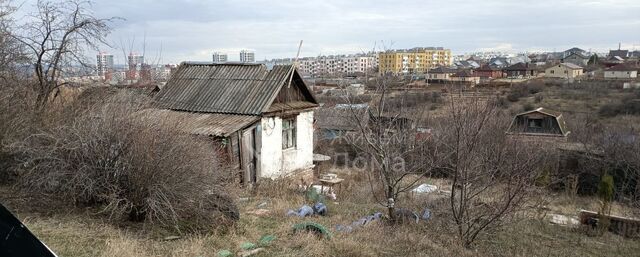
(223, 88)
(208, 124)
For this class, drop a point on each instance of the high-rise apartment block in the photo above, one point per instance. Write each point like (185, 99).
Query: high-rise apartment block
(104, 63)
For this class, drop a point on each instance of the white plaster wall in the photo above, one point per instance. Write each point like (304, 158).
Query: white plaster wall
(620, 74)
(277, 162)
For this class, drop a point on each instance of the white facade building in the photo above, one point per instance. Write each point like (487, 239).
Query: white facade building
(247, 56)
(286, 154)
(104, 63)
(219, 57)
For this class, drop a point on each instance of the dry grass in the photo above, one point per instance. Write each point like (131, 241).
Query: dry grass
(80, 233)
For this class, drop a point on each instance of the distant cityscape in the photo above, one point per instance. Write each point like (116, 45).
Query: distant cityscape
(417, 60)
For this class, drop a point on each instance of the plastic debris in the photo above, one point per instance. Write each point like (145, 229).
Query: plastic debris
(426, 214)
(320, 209)
(361, 222)
(563, 220)
(248, 246)
(224, 253)
(425, 188)
(304, 211)
(250, 252)
(266, 240)
(312, 227)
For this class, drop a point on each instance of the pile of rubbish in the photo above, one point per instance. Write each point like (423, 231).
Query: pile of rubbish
(306, 210)
(361, 222)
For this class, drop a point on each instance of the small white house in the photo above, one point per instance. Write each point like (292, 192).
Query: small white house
(263, 119)
(621, 71)
(563, 70)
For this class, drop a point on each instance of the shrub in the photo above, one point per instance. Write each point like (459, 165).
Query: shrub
(527, 107)
(130, 166)
(538, 98)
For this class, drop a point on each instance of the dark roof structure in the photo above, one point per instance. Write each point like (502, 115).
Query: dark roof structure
(622, 67)
(487, 67)
(519, 67)
(464, 74)
(219, 99)
(234, 88)
(441, 70)
(577, 54)
(557, 116)
(621, 53)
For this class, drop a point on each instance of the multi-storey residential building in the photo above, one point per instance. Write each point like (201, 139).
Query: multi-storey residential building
(104, 63)
(219, 57)
(135, 62)
(332, 64)
(247, 56)
(415, 60)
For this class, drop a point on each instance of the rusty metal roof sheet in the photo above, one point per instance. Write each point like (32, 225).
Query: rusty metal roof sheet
(223, 88)
(208, 124)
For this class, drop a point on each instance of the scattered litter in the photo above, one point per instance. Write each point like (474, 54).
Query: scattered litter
(224, 253)
(563, 220)
(248, 246)
(259, 212)
(405, 215)
(262, 205)
(361, 222)
(251, 252)
(304, 211)
(171, 238)
(426, 214)
(243, 199)
(266, 240)
(445, 192)
(425, 188)
(325, 191)
(312, 227)
(320, 209)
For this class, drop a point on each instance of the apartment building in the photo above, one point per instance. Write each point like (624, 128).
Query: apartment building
(332, 64)
(247, 56)
(104, 63)
(219, 57)
(413, 61)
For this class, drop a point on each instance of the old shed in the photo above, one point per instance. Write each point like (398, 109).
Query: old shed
(263, 118)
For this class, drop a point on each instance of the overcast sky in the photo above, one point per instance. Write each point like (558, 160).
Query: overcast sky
(193, 29)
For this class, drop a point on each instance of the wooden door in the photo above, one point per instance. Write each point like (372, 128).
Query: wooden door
(249, 156)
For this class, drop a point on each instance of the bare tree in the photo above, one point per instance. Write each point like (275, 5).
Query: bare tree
(389, 139)
(492, 175)
(56, 37)
(11, 51)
